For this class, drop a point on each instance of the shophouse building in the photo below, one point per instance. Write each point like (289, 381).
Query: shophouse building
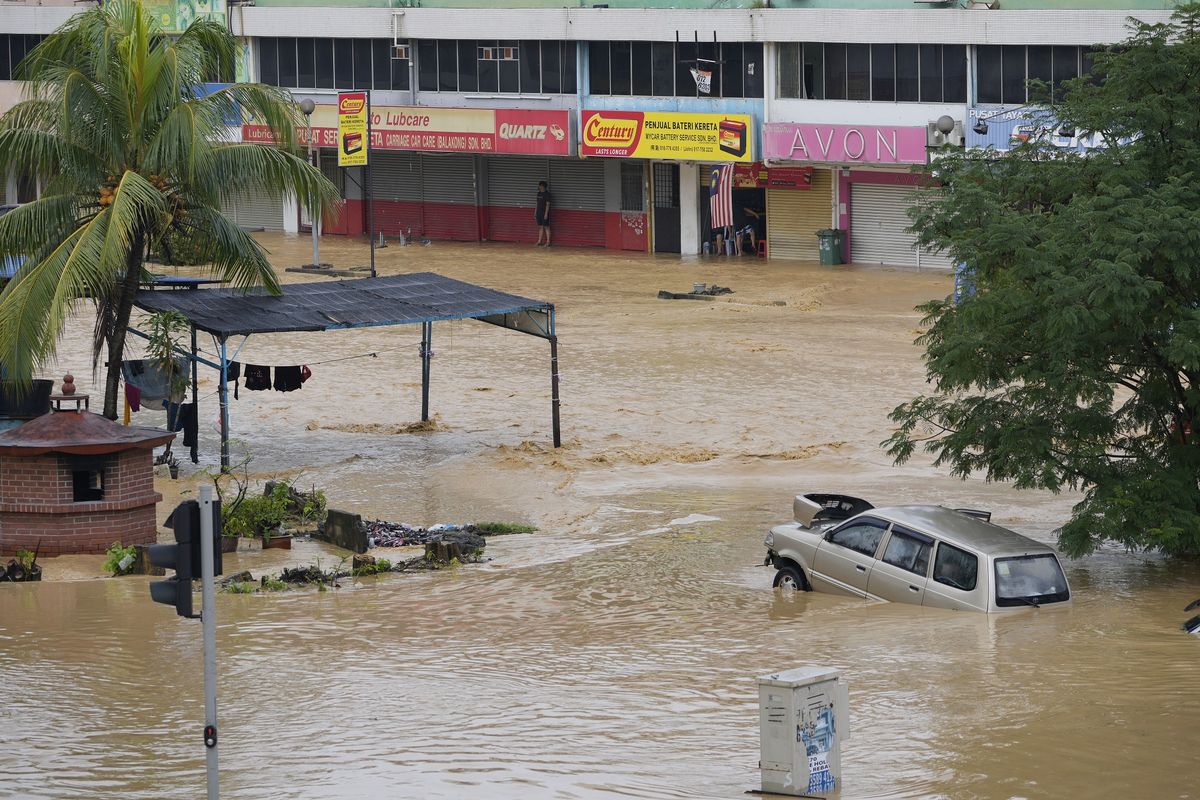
(824, 106)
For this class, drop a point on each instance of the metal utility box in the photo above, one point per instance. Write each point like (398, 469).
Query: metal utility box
(802, 722)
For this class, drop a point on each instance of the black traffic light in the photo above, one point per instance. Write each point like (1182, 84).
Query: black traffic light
(184, 557)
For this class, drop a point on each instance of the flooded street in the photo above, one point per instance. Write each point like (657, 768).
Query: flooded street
(612, 653)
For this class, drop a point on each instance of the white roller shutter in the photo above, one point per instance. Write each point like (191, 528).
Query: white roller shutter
(256, 210)
(512, 180)
(577, 183)
(795, 215)
(448, 178)
(395, 176)
(878, 229)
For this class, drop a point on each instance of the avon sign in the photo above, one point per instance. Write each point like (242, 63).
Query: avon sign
(841, 144)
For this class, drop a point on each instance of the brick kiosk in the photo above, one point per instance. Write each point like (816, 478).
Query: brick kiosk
(75, 482)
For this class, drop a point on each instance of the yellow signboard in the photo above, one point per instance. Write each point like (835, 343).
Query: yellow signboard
(667, 135)
(352, 129)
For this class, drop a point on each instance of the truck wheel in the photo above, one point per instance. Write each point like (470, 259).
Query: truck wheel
(790, 577)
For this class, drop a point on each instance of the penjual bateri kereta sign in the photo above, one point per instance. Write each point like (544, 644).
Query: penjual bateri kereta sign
(458, 130)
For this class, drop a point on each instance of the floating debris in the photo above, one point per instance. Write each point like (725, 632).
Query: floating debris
(381, 533)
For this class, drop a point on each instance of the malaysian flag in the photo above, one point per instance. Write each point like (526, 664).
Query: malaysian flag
(720, 195)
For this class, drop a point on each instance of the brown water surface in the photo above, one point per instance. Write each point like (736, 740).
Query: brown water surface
(611, 654)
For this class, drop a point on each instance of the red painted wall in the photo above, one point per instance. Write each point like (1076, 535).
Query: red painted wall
(568, 226)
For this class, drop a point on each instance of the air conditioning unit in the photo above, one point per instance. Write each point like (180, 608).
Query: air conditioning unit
(401, 52)
(936, 138)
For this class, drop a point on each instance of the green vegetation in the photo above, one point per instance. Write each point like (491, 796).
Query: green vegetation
(119, 559)
(380, 565)
(1076, 364)
(269, 584)
(26, 558)
(501, 528)
(260, 516)
(133, 156)
(240, 587)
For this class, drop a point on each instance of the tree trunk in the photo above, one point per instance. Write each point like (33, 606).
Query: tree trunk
(116, 339)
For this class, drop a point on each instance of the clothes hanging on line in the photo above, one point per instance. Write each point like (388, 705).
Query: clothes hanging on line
(258, 377)
(288, 379)
(183, 417)
(148, 375)
(233, 371)
(133, 396)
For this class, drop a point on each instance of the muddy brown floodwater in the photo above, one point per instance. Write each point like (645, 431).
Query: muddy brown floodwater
(613, 653)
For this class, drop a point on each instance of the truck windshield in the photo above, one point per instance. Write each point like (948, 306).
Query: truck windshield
(1030, 580)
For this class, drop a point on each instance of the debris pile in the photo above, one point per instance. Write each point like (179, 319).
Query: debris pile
(381, 533)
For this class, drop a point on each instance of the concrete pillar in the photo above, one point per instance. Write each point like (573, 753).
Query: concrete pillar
(291, 214)
(689, 209)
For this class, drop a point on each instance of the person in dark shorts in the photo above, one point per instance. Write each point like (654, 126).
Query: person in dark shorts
(542, 214)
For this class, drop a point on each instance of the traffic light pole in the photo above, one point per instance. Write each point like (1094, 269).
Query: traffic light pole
(208, 612)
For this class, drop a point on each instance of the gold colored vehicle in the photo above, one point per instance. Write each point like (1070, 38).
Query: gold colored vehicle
(925, 555)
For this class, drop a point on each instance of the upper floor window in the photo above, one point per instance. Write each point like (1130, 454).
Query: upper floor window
(1002, 72)
(495, 66)
(13, 48)
(906, 73)
(664, 69)
(308, 63)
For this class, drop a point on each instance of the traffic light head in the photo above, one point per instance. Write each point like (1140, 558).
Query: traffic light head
(182, 557)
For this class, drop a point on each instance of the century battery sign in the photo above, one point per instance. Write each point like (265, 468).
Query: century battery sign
(352, 129)
(666, 135)
(460, 130)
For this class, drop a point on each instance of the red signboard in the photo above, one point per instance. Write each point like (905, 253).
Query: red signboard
(464, 130)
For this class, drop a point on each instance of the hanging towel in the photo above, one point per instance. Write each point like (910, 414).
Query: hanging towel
(288, 379)
(305, 373)
(188, 422)
(148, 375)
(258, 377)
(133, 395)
(233, 371)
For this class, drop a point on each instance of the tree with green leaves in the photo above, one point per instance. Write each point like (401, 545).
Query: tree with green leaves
(1076, 363)
(132, 151)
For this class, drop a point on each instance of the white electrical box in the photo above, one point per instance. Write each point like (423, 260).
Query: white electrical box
(802, 717)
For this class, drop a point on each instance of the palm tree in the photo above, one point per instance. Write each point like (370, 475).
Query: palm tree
(116, 123)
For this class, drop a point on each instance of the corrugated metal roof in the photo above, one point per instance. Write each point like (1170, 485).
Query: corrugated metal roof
(356, 303)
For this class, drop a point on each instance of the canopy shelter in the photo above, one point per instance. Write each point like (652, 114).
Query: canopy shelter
(418, 298)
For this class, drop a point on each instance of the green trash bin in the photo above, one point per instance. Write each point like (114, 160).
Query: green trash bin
(829, 242)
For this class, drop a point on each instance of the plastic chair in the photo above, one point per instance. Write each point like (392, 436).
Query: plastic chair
(762, 248)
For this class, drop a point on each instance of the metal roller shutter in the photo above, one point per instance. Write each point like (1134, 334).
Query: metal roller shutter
(256, 210)
(448, 178)
(512, 180)
(878, 229)
(395, 176)
(795, 215)
(577, 184)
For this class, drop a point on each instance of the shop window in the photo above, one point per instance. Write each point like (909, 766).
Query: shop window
(619, 68)
(13, 49)
(531, 68)
(664, 69)
(988, 74)
(551, 67)
(1041, 68)
(883, 72)
(858, 72)
(489, 74)
(427, 65)
(306, 64)
(789, 70)
(87, 485)
(381, 64)
(598, 59)
(813, 84)
(268, 61)
(733, 71)
(1012, 82)
(343, 63)
(447, 65)
(323, 58)
(642, 69)
(508, 55)
(708, 58)
(685, 59)
(752, 79)
(468, 65)
(954, 73)
(931, 73)
(287, 63)
(362, 64)
(1066, 67)
(907, 73)
(27, 187)
(569, 78)
(835, 71)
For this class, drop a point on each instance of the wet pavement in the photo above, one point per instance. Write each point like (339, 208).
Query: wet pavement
(611, 654)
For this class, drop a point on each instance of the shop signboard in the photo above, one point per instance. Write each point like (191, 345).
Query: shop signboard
(352, 129)
(844, 144)
(173, 16)
(1008, 126)
(667, 135)
(460, 130)
(760, 176)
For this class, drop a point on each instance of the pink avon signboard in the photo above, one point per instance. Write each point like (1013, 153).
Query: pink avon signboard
(842, 144)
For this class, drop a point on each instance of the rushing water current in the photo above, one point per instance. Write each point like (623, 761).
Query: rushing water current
(612, 653)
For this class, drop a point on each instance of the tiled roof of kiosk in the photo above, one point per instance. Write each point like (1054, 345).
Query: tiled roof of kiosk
(323, 305)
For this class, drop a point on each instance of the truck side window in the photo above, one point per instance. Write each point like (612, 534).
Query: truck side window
(955, 567)
(861, 536)
(909, 551)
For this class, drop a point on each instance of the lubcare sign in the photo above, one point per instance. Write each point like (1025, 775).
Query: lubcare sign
(462, 130)
(666, 135)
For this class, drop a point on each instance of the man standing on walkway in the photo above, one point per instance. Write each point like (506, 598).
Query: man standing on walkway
(542, 214)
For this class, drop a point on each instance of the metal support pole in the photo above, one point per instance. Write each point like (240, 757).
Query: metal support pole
(208, 615)
(195, 403)
(367, 188)
(426, 357)
(554, 402)
(223, 392)
(314, 214)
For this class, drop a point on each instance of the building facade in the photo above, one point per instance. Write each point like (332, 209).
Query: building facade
(824, 106)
